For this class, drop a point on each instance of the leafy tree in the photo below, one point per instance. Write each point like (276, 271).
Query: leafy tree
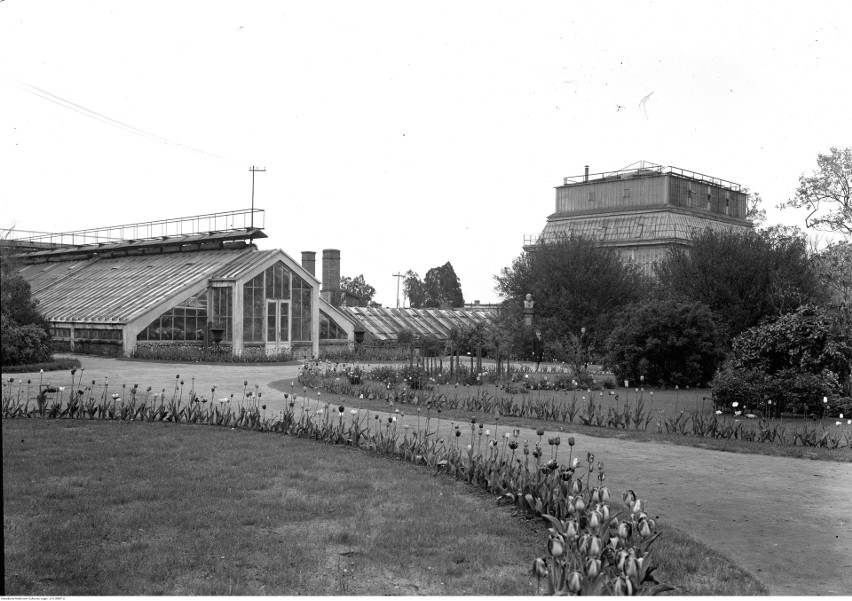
(574, 283)
(360, 288)
(669, 341)
(834, 266)
(743, 277)
(16, 301)
(440, 289)
(827, 193)
(414, 289)
(754, 208)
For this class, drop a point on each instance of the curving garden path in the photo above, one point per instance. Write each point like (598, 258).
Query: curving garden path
(787, 521)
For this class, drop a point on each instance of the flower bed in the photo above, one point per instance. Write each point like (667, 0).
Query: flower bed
(572, 405)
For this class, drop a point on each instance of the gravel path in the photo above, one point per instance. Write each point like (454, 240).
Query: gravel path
(786, 520)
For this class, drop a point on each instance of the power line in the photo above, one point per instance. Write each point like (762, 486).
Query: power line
(72, 106)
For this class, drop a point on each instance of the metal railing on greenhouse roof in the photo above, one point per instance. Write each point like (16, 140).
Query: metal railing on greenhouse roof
(647, 167)
(224, 221)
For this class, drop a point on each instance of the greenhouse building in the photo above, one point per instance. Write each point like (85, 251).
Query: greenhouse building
(199, 288)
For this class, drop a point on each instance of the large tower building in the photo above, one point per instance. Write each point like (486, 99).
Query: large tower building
(643, 210)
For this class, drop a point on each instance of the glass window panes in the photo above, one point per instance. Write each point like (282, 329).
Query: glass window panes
(253, 309)
(185, 322)
(329, 330)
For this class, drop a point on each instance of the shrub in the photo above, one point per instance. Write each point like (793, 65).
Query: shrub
(745, 387)
(23, 344)
(673, 341)
(807, 340)
(795, 361)
(195, 353)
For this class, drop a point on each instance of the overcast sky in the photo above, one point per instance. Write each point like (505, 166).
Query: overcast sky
(403, 134)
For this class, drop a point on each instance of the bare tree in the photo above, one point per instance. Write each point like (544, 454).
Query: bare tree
(827, 194)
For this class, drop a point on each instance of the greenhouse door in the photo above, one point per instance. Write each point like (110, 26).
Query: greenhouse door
(277, 326)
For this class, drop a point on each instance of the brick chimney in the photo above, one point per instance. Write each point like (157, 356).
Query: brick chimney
(331, 276)
(309, 262)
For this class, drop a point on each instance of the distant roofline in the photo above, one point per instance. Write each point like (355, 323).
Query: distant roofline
(187, 242)
(647, 169)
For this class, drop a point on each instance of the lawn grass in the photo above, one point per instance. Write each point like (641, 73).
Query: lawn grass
(129, 508)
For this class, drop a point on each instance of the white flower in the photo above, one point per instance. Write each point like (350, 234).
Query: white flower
(488, 432)
(362, 396)
(718, 412)
(507, 435)
(354, 412)
(319, 411)
(225, 400)
(837, 423)
(841, 416)
(61, 388)
(735, 404)
(469, 447)
(738, 412)
(751, 416)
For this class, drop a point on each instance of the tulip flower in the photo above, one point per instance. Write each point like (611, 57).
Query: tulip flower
(583, 543)
(595, 546)
(555, 545)
(539, 568)
(644, 529)
(574, 581)
(623, 586)
(624, 529)
(571, 529)
(592, 567)
(604, 494)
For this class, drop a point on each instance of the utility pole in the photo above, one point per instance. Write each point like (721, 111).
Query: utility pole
(253, 171)
(398, 277)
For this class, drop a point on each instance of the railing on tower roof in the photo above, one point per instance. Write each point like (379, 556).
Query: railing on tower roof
(224, 221)
(648, 168)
